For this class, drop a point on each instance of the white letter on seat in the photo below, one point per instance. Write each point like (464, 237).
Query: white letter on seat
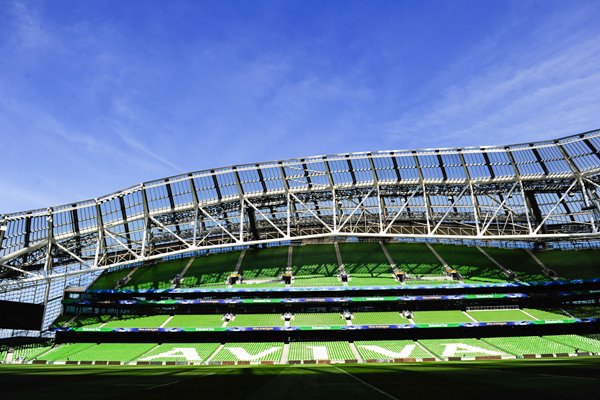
(453, 348)
(189, 353)
(405, 353)
(319, 352)
(243, 355)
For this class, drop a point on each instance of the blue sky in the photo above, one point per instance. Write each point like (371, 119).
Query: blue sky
(97, 95)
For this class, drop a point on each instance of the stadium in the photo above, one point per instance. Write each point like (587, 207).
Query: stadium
(356, 265)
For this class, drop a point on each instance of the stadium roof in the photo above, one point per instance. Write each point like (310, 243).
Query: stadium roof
(532, 191)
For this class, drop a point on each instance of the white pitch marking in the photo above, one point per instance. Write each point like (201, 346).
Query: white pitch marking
(469, 316)
(529, 315)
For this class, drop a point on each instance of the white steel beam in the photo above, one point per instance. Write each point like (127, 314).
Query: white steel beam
(311, 212)
(157, 222)
(556, 204)
(404, 205)
(456, 199)
(123, 245)
(219, 224)
(495, 214)
(355, 209)
(266, 218)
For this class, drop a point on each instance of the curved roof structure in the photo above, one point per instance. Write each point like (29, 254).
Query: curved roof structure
(538, 191)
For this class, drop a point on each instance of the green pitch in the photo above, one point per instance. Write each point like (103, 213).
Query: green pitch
(546, 379)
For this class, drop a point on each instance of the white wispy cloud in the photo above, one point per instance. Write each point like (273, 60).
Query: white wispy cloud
(137, 145)
(544, 87)
(30, 33)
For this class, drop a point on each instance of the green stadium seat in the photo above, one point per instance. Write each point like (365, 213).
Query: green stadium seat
(332, 351)
(252, 352)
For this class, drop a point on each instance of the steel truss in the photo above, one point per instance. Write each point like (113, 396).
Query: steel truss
(537, 192)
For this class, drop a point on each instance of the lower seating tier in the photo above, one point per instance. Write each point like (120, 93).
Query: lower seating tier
(275, 352)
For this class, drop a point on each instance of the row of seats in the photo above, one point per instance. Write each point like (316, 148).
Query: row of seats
(532, 344)
(28, 352)
(307, 319)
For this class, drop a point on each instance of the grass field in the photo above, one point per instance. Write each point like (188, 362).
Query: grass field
(548, 379)
(257, 320)
(500, 315)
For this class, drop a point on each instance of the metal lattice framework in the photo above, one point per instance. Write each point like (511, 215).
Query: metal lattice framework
(536, 191)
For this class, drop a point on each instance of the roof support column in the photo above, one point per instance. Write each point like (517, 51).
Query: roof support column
(147, 227)
(249, 210)
(48, 265)
(474, 201)
(334, 203)
(125, 223)
(291, 206)
(27, 235)
(530, 202)
(196, 202)
(3, 228)
(75, 223)
(428, 209)
(310, 185)
(172, 202)
(382, 212)
(101, 246)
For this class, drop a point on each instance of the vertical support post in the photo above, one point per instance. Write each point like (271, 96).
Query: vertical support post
(379, 199)
(291, 206)
(242, 206)
(3, 229)
(101, 247)
(171, 202)
(334, 208)
(196, 204)
(250, 211)
(530, 204)
(75, 224)
(288, 217)
(147, 227)
(124, 219)
(27, 234)
(428, 210)
(474, 201)
(48, 265)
